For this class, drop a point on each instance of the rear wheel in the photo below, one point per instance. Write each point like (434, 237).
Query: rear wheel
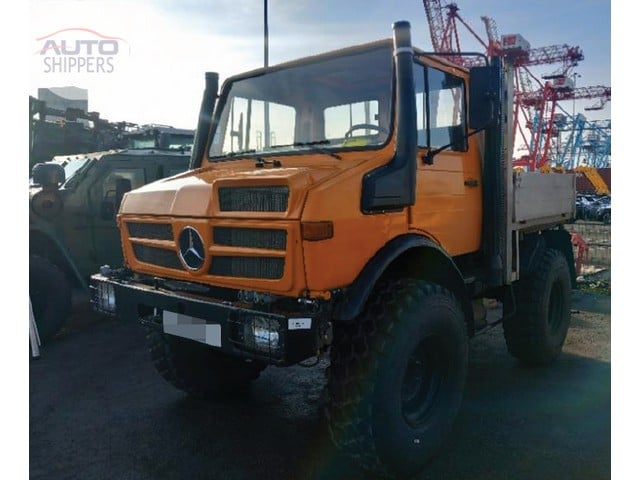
(396, 377)
(197, 369)
(50, 295)
(536, 333)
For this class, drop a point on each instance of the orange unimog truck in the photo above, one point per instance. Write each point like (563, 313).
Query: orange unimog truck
(361, 203)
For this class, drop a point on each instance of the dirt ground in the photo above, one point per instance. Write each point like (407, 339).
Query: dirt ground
(98, 410)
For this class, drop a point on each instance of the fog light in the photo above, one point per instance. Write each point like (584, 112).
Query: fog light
(106, 297)
(262, 334)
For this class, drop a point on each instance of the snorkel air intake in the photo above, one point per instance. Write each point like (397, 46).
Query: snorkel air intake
(393, 186)
(204, 119)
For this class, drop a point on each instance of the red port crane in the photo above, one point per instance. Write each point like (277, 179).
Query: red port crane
(535, 100)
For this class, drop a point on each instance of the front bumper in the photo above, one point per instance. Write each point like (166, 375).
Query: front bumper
(279, 338)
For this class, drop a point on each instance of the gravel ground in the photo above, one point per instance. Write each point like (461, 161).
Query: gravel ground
(98, 410)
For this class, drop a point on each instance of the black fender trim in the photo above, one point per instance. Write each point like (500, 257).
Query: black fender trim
(396, 257)
(43, 244)
(560, 240)
(533, 245)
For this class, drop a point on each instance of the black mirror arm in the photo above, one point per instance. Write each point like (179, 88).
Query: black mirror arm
(428, 157)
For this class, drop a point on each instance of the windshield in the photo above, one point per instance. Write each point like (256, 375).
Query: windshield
(141, 142)
(72, 166)
(333, 103)
(164, 141)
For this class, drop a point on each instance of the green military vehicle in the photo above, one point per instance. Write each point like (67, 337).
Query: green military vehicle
(73, 201)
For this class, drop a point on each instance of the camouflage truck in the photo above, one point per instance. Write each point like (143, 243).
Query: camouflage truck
(72, 205)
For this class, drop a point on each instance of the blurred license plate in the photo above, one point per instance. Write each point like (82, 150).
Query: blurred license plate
(192, 328)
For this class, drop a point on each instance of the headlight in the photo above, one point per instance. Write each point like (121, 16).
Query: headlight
(105, 297)
(259, 334)
(262, 335)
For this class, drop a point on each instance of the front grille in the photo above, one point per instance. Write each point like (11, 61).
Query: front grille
(157, 256)
(248, 267)
(155, 231)
(250, 237)
(253, 199)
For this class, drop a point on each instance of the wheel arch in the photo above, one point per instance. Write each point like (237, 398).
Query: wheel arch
(412, 256)
(45, 245)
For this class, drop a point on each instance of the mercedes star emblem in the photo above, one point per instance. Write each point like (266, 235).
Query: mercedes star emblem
(191, 248)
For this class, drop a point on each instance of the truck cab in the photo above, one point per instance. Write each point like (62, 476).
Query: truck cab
(72, 218)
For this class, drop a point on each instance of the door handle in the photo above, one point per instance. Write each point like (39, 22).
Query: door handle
(471, 182)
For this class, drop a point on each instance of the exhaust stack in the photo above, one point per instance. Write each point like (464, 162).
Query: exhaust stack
(204, 119)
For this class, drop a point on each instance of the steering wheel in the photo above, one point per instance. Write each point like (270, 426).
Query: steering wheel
(365, 126)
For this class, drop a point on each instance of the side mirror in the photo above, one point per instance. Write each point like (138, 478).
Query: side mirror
(48, 175)
(484, 96)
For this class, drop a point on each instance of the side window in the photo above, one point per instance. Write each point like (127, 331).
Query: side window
(440, 107)
(118, 178)
(421, 103)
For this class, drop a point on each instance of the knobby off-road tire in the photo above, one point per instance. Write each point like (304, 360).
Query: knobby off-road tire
(50, 294)
(536, 333)
(197, 369)
(396, 377)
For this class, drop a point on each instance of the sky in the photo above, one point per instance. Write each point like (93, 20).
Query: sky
(165, 47)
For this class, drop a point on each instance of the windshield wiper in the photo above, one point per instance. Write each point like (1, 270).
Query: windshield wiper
(231, 155)
(314, 146)
(318, 149)
(240, 152)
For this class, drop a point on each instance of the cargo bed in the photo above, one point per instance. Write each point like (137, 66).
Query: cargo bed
(542, 199)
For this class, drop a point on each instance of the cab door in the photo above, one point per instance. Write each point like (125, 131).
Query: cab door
(106, 191)
(448, 203)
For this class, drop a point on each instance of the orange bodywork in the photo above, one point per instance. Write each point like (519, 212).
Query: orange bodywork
(447, 210)
(448, 204)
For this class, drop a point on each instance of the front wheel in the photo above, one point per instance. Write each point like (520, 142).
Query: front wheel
(536, 333)
(50, 295)
(396, 377)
